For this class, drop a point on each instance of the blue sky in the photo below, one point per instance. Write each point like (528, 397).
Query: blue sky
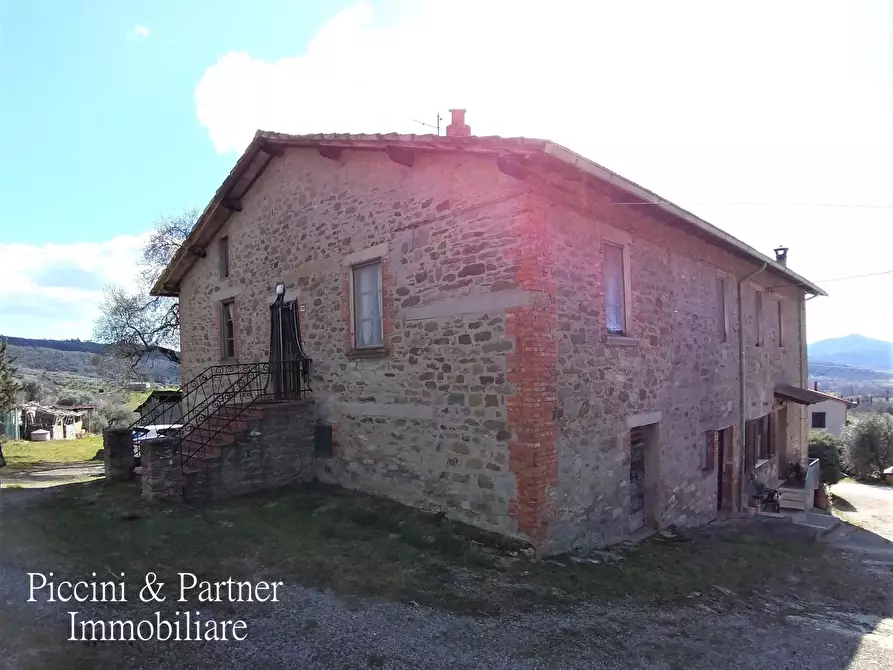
(771, 120)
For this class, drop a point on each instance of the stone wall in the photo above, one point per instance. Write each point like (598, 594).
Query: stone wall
(497, 397)
(674, 365)
(161, 476)
(117, 453)
(426, 420)
(275, 451)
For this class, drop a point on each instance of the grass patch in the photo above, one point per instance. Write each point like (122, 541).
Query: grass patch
(359, 545)
(135, 399)
(25, 455)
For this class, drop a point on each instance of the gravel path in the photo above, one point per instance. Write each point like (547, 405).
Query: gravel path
(314, 629)
(50, 476)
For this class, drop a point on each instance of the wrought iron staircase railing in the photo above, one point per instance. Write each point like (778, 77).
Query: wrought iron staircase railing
(225, 393)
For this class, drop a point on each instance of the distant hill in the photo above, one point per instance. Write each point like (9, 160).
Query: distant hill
(85, 358)
(61, 345)
(847, 373)
(854, 350)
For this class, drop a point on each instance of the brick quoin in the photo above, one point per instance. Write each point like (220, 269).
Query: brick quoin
(533, 369)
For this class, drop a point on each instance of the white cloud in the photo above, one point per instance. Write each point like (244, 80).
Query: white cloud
(706, 103)
(141, 31)
(54, 290)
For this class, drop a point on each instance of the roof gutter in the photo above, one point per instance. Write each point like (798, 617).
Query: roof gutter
(742, 386)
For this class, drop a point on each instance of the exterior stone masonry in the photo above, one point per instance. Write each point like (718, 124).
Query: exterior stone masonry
(275, 451)
(498, 397)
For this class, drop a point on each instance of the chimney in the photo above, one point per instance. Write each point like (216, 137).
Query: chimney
(458, 128)
(781, 255)
(815, 386)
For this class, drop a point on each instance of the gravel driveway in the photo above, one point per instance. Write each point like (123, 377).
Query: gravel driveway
(316, 629)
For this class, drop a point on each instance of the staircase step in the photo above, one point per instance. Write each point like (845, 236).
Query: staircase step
(208, 452)
(240, 413)
(214, 436)
(227, 423)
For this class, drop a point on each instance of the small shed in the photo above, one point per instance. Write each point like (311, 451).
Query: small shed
(60, 423)
(164, 405)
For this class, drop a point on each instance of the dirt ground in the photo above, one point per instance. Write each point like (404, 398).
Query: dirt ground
(835, 612)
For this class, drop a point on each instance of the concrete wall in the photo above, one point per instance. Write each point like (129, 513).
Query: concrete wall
(498, 398)
(835, 415)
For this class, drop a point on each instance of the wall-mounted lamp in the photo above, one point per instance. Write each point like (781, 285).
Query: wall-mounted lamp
(280, 288)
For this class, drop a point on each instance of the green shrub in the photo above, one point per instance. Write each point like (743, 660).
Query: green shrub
(868, 445)
(826, 447)
(116, 416)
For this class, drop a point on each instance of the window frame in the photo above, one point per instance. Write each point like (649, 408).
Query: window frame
(758, 316)
(354, 305)
(228, 333)
(723, 308)
(223, 256)
(780, 317)
(622, 240)
(812, 420)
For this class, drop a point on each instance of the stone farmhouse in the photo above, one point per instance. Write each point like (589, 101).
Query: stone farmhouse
(495, 328)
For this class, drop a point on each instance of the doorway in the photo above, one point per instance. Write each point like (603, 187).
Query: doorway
(289, 365)
(780, 441)
(724, 469)
(643, 477)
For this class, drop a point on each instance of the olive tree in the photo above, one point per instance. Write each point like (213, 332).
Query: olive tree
(868, 445)
(135, 324)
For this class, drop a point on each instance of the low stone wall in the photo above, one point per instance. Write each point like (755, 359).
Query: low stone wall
(161, 475)
(277, 451)
(117, 444)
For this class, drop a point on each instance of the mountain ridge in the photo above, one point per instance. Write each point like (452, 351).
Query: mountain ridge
(854, 350)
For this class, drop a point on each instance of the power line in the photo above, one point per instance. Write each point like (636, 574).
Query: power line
(797, 204)
(755, 204)
(870, 274)
(826, 281)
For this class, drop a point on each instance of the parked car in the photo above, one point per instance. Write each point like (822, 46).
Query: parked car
(144, 433)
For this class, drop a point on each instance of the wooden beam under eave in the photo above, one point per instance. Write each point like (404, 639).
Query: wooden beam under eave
(511, 167)
(332, 153)
(233, 204)
(272, 149)
(401, 155)
(198, 251)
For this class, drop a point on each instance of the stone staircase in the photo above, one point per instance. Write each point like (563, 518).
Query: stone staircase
(229, 425)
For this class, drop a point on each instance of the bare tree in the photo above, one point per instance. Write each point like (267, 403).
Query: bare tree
(139, 326)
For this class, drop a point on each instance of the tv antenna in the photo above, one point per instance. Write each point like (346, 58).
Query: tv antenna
(428, 125)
